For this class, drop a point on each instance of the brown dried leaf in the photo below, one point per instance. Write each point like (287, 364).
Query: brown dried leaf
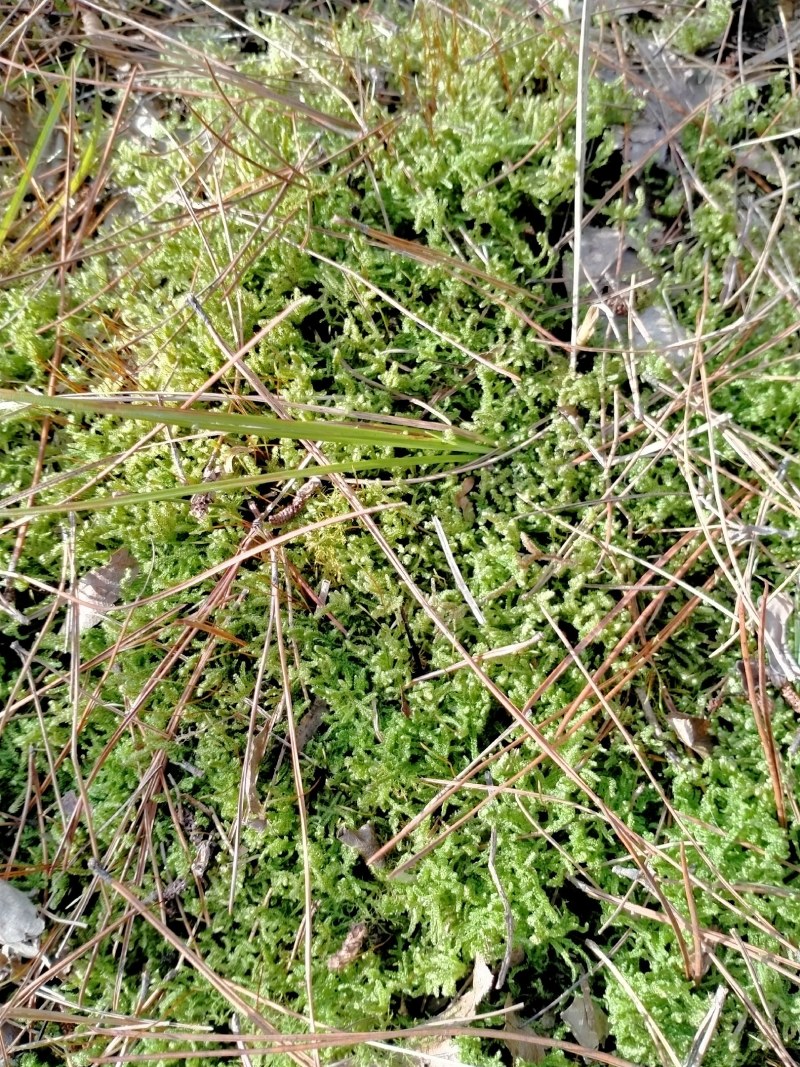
(201, 859)
(301, 498)
(201, 502)
(694, 732)
(364, 840)
(352, 948)
(251, 768)
(524, 1051)
(463, 1007)
(98, 590)
(311, 722)
(587, 1021)
(173, 889)
(462, 500)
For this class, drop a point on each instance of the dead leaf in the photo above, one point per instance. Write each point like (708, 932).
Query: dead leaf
(200, 505)
(524, 1051)
(201, 859)
(607, 257)
(587, 1021)
(782, 667)
(763, 160)
(10, 1035)
(20, 924)
(311, 722)
(673, 85)
(482, 980)
(173, 889)
(586, 328)
(98, 590)
(299, 501)
(352, 947)
(694, 731)
(446, 1051)
(463, 1007)
(656, 329)
(251, 769)
(643, 143)
(461, 498)
(364, 840)
(69, 803)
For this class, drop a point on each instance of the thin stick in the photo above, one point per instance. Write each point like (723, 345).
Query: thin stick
(458, 577)
(697, 941)
(247, 763)
(580, 168)
(507, 912)
(762, 720)
(480, 657)
(298, 784)
(224, 988)
(665, 1051)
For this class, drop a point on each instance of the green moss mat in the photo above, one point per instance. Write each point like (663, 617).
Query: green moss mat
(454, 132)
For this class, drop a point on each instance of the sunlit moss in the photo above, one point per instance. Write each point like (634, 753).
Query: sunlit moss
(452, 173)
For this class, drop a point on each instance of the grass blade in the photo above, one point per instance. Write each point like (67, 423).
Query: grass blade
(263, 425)
(223, 485)
(15, 203)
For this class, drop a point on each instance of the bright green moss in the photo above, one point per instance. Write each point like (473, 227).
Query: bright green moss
(703, 29)
(452, 173)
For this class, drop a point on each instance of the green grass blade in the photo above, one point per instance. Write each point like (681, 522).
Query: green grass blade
(262, 425)
(80, 175)
(15, 203)
(222, 485)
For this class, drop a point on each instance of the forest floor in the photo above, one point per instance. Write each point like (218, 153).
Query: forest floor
(399, 516)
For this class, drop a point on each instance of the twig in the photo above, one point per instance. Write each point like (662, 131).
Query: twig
(480, 657)
(706, 1029)
(582, 91)
(665, 1050)
(507, 912)
(458, 577)
(276, 615)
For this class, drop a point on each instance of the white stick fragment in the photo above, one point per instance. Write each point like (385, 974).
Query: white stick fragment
(580, 168)
(706, 1029)
(457, 575)
(479, 657)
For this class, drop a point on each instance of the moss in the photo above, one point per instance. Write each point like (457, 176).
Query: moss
(704, 29)
(448, 167)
